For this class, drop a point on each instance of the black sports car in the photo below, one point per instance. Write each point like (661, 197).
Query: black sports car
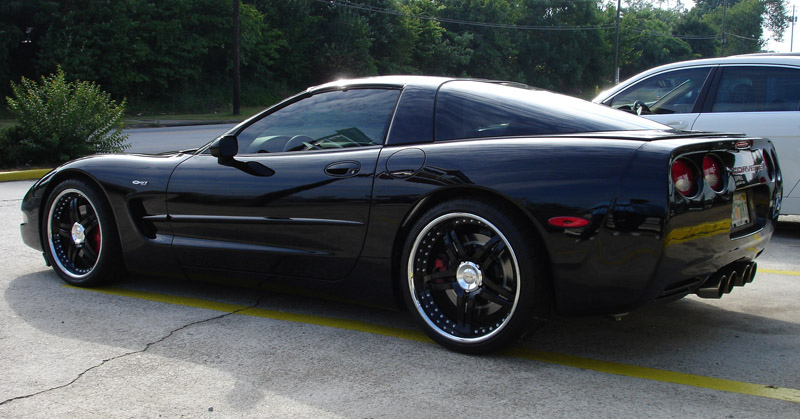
(484, 206)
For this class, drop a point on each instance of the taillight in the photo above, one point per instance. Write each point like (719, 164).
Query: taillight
(683, 177)
(713, 173)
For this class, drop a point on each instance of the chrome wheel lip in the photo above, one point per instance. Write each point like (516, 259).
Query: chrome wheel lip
(50, 231)
(418, 304)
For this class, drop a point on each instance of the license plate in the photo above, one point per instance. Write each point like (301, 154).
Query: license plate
(740, 215)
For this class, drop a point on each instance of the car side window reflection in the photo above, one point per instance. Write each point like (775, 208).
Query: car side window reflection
(665, 93)
(758, 89)
(328, 120)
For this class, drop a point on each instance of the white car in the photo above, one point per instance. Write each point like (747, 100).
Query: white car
(755, 94)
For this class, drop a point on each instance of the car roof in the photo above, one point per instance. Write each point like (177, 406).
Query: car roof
(760, 58)
(385, 81)
(791, 59)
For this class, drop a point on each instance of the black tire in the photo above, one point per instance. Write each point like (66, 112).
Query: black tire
(79, 234)
(475, 277)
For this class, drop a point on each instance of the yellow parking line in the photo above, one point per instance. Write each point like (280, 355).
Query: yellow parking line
(778, 272)
(731, 386)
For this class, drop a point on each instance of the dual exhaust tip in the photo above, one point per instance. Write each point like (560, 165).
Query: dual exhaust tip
(723, 281)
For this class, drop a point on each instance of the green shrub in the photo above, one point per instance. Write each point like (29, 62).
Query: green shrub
(61, 120)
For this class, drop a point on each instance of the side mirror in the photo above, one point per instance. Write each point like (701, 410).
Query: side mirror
(225, 147)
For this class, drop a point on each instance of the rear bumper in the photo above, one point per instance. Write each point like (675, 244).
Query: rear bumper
(695, 261)
(640, 270)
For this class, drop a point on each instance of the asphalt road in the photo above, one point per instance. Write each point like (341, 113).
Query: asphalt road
(159, 140)
(170, 348)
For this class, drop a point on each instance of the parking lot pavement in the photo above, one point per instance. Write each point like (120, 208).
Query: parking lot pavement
(168, 348)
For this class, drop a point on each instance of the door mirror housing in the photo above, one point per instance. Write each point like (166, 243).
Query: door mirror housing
(225, 147)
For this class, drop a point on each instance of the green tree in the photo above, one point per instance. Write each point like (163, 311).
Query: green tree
(495, 52)
(296, 27)
(345, 51)
(699, 34)
(566, 61)
(178, 53)
(646, 41)
(745, 21)
(403, 42)
(772, 15)
(17, 55)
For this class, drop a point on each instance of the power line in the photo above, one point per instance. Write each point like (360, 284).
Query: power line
(358, 6)
(382, 10)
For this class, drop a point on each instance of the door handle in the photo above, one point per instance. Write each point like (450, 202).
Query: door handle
(343, 169)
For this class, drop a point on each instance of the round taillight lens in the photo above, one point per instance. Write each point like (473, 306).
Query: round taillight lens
(713, 173)
(683, 177)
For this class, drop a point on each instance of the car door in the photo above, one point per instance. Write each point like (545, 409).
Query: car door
(671, 97)
(295, 199)
(761, 101)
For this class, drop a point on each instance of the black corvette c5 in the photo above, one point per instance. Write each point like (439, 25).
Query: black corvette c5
(484, 206)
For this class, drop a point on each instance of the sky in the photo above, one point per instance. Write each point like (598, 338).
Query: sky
(786, 44)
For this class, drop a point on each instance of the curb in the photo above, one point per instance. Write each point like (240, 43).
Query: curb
(157, 123)
(34, 174)
(23, 175)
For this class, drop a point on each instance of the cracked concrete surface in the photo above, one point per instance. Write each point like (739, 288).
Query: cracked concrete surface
(114, 358)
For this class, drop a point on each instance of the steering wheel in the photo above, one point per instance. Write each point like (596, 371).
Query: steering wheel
(639, 107)
(300, 143)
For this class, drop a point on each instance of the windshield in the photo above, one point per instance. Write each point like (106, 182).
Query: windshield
(665, 93)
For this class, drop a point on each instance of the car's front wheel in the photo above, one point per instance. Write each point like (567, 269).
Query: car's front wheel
(475, 276)
(79, 236)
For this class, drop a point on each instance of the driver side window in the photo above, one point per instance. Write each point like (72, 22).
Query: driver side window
(328, 120)
(669, 92)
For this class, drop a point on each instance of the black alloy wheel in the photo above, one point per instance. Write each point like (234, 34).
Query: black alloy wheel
(79, 235)
(474, 276)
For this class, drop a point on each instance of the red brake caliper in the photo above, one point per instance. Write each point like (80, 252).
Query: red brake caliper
(97, 239)
(439, 265)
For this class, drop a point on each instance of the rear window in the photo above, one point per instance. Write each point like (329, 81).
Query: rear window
(758, 89)
(470, 109)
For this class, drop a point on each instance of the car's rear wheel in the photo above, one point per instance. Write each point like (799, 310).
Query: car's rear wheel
(475, 277)
(79, 236)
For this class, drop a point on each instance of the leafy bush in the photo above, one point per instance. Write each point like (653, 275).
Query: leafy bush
(61, 120)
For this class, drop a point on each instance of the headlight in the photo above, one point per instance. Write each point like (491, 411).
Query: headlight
(24, 218)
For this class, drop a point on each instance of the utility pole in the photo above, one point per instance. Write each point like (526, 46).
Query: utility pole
(791, 40)
(616, 48)
(236, 81)
(724, 14)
